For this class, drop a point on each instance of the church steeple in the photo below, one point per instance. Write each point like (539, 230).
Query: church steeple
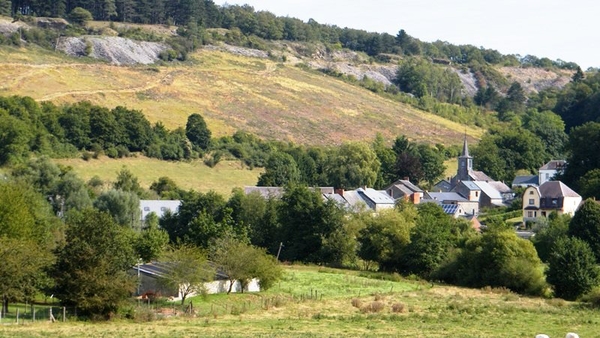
(465, 163)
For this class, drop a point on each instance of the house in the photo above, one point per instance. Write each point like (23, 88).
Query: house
(159, 207)
(362, 199)
(491, 196)
(525, 181)
(464, 206)
(405, 190)
(549, 170)
(548, 197)
(149, 274)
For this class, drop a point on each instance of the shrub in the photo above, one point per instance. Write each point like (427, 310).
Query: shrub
(398, 307)
(373, 307)
(357, 303)
(112, 152)
(86, 156)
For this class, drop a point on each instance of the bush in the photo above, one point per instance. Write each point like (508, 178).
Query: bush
(373, 307)
(112, 152)
(86, 156)
(398, 308)
(357, 303)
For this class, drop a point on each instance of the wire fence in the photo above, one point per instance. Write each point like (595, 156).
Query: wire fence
(28, 313)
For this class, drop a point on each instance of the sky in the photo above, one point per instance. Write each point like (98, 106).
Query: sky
(566, 30)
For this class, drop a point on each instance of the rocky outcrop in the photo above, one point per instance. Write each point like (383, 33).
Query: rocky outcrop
(116, 50)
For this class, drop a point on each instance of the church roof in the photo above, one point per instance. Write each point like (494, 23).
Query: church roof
(465, 151)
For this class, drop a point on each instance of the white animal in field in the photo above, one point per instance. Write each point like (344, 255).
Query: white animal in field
(572, 335)
(542, 336)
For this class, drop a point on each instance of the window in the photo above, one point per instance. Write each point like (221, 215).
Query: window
(543, 214)
(530, 192)
(530, 214)
(146, 208)
(531, 201)
(477, 194)
(547, 176)
(163, 208)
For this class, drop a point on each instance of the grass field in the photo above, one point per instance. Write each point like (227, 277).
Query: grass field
(408, 309)
(188, 175)
(273, 100)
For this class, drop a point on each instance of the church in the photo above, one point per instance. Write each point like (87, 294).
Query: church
(473, 185)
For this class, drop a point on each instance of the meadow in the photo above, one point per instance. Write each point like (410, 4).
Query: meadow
(316, 301)
(189, 175)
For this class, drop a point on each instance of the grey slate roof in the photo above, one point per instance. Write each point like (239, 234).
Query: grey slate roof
(556, 189)
(470, 185)
(526, 180)
(489, 190)
(554, 165)
(446, 196)
(479, 176)
(410, 185)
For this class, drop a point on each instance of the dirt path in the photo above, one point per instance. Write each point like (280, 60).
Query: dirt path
(163, 81)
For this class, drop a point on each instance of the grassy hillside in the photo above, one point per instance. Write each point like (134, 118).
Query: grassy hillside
(273, 100)
(408, 309)
(188, 175)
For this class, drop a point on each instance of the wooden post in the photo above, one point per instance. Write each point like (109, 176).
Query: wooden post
(17, 315)
(64, 313)
(33, 313)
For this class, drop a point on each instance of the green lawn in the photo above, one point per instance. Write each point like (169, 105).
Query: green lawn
(408, 309)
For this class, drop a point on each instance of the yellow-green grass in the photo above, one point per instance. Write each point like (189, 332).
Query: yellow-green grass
(451, 168)
(188, 175)
(426, 311)
(273, 100)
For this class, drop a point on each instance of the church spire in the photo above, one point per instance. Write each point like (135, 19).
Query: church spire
(465, 151)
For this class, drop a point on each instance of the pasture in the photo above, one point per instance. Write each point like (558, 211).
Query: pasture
(316, 302)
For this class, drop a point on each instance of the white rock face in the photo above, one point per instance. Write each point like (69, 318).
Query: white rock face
(116, 50)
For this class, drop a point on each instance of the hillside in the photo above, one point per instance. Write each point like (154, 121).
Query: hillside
(271, 99)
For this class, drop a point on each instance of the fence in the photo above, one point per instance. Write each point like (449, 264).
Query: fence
(28, 313)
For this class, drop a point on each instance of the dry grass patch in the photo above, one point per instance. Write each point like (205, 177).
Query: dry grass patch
(188, 175)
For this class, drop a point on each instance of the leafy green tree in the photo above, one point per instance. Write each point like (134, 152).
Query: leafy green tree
(514, 100)
(547, 234)
(432, 163)
(590, 184)
(585, 225)
(197, 131)
(583, 143)
(384, 238)
(243, 262)
(123, 206)
(187, 271)
(572, 269)
(430, 240)
(152, 241)
(15, 136)
(352, 165)
(128, 182)
(578, 76)
(80, 16)
(550, 128)
(91, 269)
(499, 258)
(281, 170)
(305, 221)
(387, 158)
(166, 188)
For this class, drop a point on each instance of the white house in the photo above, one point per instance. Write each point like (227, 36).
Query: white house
(550, 169)
(548, 197)
(159, 207)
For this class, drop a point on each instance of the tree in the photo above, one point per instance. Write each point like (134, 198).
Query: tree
(5, 7)
(91, 268)
(589, 184)
(123, 206)
(352, 165)
(584, 141)
(166, 188)
(547, 234)
(430, 240)
(80, 16)
(585, 225)
(305, 221)
(384, 238)
(187, 270)
(578, 76)
(197, 131)
(281, 170)
(572, 268)
(128, 182)
(151, 242)
(242, 262)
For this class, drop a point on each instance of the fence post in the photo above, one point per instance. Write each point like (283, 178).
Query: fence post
(32, 313)
(17, 316)
(64, 314)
